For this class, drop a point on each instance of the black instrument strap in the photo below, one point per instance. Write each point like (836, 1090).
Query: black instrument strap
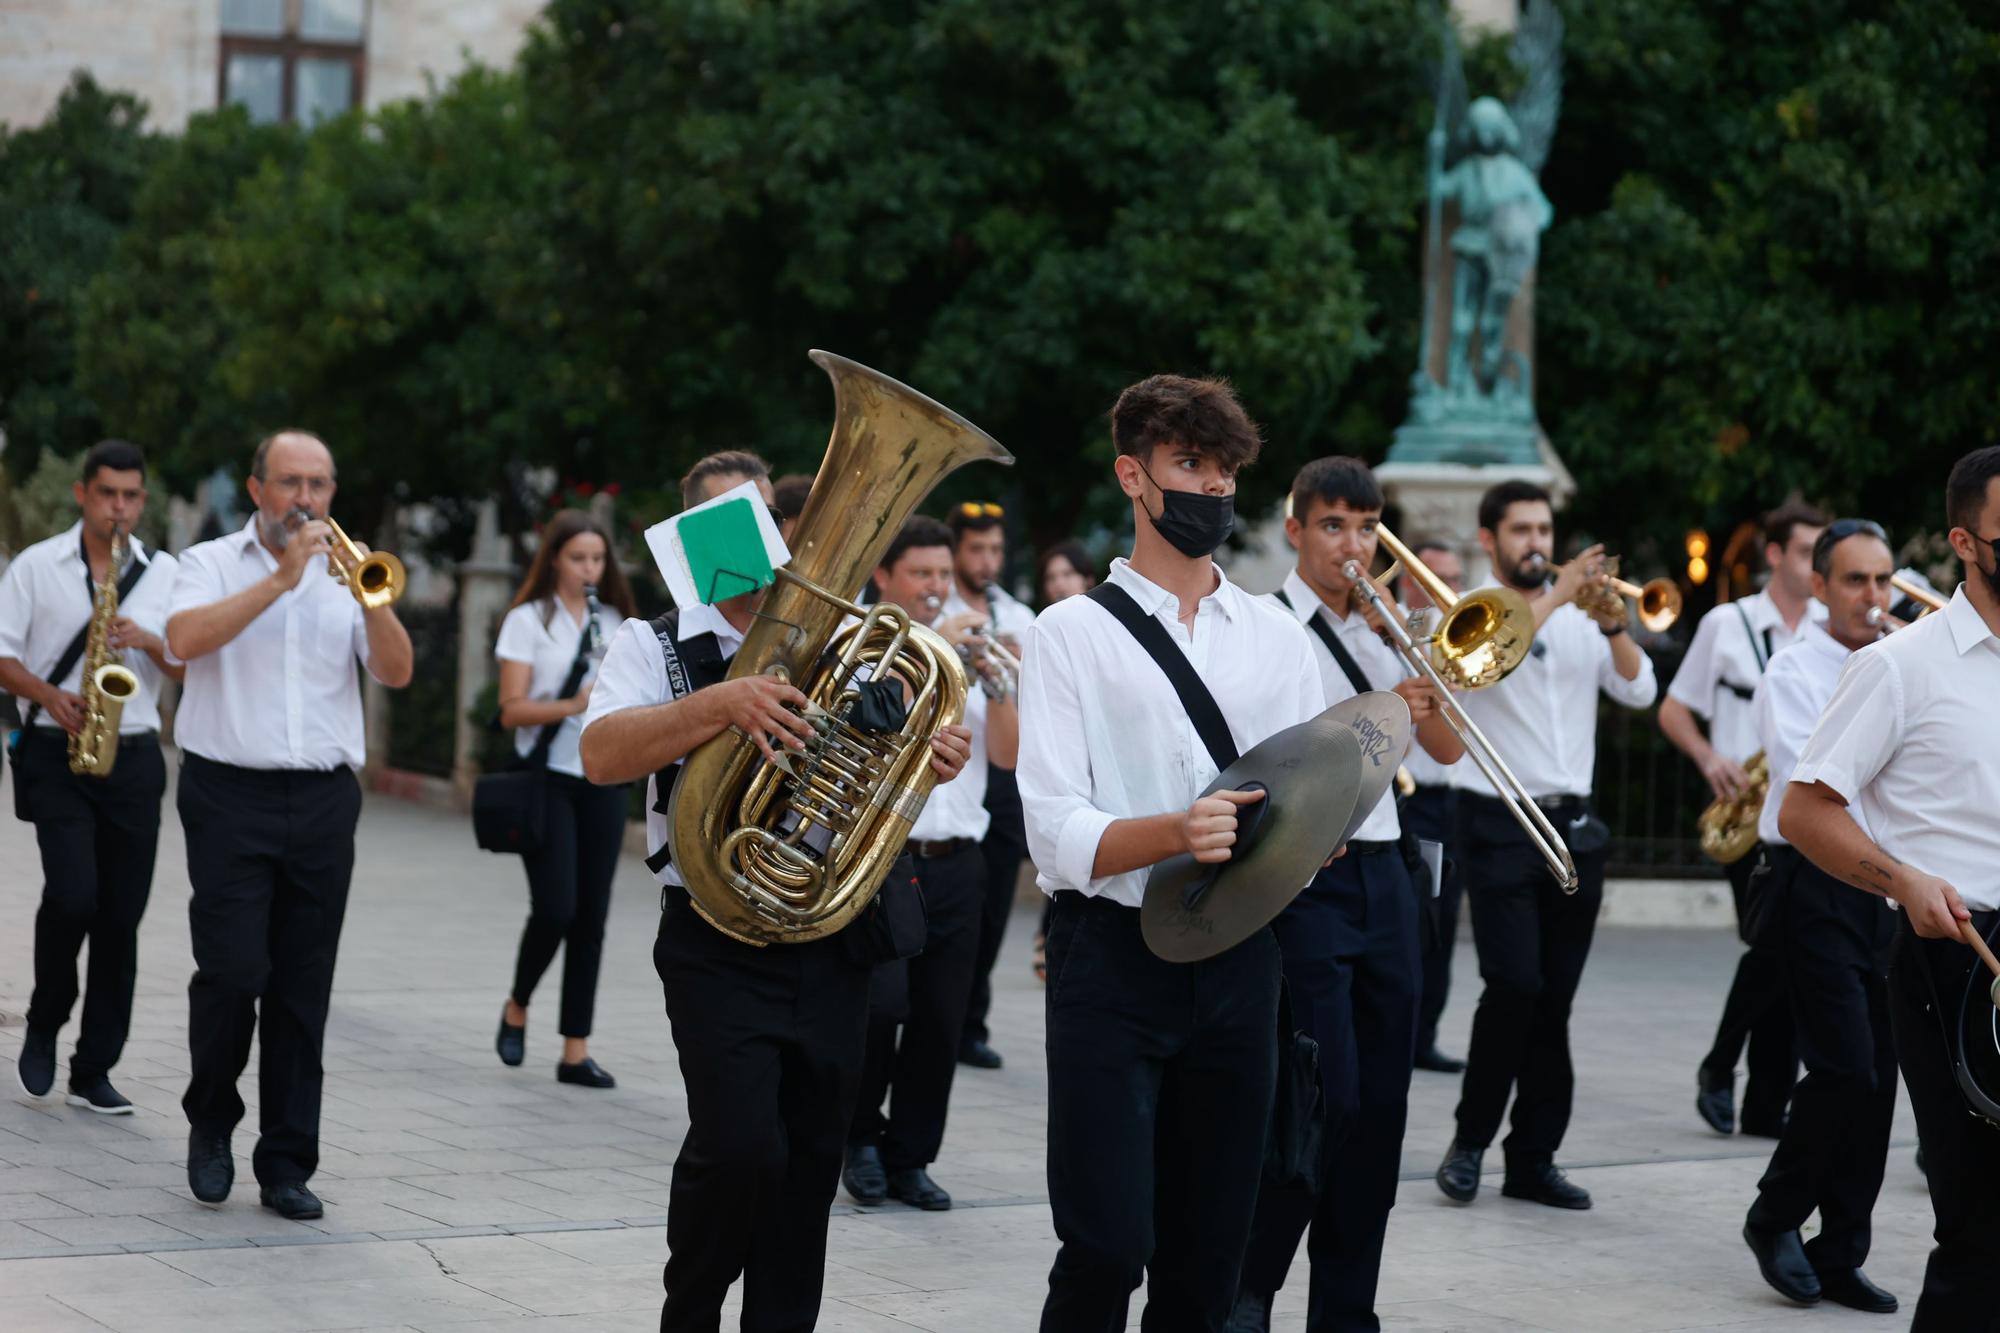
(135, 572)
(1350, 667)
(1199, 704)
(1761, 650)
(539, 756)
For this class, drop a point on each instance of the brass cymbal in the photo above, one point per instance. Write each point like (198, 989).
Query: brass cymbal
(1314, 776)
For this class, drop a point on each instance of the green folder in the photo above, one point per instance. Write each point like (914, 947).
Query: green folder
(725, 551)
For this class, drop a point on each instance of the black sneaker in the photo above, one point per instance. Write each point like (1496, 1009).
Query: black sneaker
(97, 1094)
(37, 1066)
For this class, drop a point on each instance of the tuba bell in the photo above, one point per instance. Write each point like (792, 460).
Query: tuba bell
(783, 855)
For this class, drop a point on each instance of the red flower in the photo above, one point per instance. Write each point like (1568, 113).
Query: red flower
(583, 489)
(611, 488)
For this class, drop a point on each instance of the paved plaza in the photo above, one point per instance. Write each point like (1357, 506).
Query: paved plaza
(465, 1196)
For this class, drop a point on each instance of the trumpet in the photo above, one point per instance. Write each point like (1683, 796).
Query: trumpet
(375, 579)
(986, 658)
(1512, 794)
(1658, 603)
(1481, 635)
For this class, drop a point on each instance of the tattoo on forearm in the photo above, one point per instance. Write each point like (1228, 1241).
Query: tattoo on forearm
(1877, 871)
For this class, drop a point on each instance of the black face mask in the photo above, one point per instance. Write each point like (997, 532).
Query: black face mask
(1193, 524)
(1992, 579)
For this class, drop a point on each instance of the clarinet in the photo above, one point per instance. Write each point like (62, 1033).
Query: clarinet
(593, 632)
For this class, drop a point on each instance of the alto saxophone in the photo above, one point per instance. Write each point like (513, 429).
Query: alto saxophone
(107, 683)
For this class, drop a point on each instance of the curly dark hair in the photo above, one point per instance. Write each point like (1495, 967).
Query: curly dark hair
(1175, 409)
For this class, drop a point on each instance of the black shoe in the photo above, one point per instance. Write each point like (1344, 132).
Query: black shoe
(916, 1188)
(1545, 1184)
(585, 1073)
(1437, 1062)
(1250, 1314)
(1920, 1161)
(978, 1054)
(97, 1094)
(512, 1043)
(1458, 1173)
(211, 1170)
(1782, 1261)
(1716, 1100)
(867, 1183)
(37, 1066)
(294, 1202)
(1850, 1287)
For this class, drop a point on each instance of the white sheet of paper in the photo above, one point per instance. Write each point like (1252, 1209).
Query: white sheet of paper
(670, 557)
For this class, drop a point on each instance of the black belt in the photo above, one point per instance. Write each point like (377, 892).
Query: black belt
(191, 761)
(934, 849)
(1371, 847)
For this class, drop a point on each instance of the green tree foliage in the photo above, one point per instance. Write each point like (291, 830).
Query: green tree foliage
(66, 191)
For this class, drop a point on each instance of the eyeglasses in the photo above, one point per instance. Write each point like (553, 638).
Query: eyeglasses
(980, 509)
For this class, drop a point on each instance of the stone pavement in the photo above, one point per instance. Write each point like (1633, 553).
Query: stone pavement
(465, 1196)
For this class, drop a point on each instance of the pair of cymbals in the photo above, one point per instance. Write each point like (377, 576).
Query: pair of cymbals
(1320, 780)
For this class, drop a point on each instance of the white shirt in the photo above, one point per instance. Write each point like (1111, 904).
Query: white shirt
(285, 692)
(957, 809)
(44, 602)
(1723, 654)
(1104, 736)
(1543, 717)
(634, 675)
(1381, 664)
(550, 650)
(1790, 699)
(1424, 770)
(1912, 735)
(1011, 616)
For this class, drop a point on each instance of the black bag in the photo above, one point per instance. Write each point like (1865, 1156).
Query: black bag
(1298, 1113)
(1763, 922)
(510, 808)
(895, 924)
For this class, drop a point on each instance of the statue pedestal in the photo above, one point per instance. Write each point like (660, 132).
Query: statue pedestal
(1441, 500)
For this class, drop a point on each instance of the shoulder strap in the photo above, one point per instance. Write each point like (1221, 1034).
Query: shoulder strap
(1348, 666)
(1761, 650)
(133, 573)
(539, 756)
(1195, 698)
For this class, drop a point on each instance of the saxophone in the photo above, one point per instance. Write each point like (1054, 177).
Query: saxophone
(107, 683)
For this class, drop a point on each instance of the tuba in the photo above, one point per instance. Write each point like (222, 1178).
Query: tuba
(783, 855)
(106, 682)
(1728, 827)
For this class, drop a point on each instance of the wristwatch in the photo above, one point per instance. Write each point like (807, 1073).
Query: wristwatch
(1612, 632)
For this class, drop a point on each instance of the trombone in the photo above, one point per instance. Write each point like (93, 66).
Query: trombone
(1452, 639)
(1481, 635)
(1922, 596)
(375, 579)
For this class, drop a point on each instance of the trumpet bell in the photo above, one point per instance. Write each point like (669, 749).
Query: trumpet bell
(1659, 605)
(1484, 636)
(377, 580)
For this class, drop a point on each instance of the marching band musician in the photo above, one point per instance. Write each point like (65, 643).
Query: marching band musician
(1911, 736)
(770, 1039)
(1533, 938)
(906, 1084)
(97, 832)
(1350, 942)
(1832, 947)
(270, 734)
(1161, 1075)
(1732, 646)
(978, 555)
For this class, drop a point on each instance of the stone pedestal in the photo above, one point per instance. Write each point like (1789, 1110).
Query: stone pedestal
(1441, 500)
(485, 583)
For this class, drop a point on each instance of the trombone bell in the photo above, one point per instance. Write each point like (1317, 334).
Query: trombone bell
(1481, 636)
(375, 579)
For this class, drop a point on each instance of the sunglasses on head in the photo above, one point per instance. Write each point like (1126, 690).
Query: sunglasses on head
(980, 509)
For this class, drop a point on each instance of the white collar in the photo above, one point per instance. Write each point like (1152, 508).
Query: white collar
(1815, 637)
(701, 618)
(1153, 599)
(1306, 603)
(1968, 628)
(72, 545)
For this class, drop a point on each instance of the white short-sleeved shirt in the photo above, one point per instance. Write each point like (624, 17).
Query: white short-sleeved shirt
(1104, 736)
(1732, 647)
(1790, 699)
(1912, 736)
(1381, 664)
(46, 596)
(634, 675)
(543, 635)
(285, 693)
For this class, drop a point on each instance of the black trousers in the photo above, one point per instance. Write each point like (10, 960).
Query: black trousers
(1759, 1012)
(1961, 1152)
(569, 894)
(1432, 813)
(1161, 1077)
(97, 838)
(1533, 940)
(1003, 849)
(1352, 966)
(914, 1075)
(1835, 948)
(270, 854)
(770, 1043)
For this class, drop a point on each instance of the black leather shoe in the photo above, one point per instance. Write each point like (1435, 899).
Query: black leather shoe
(37, 1066)
(1715, 1099)
(866, 1182)
(211, 1170)
(96, 1094)
(1458, 1173)
(1782, 1261)
(512, 1043)
(1437, 1062)
(1250, 1314)
(1851, 1288)
(585, 1073)
(1545, 1184)
(1764, 1127)
(916, 1188)
(294, 1202)
(979, 1055)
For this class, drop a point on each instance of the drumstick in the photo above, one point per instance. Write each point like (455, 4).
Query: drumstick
(1971, 936)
